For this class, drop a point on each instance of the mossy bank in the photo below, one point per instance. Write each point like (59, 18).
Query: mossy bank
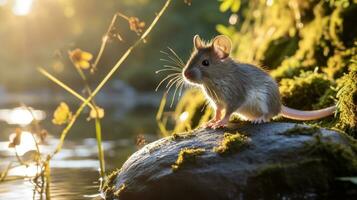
(269, 161)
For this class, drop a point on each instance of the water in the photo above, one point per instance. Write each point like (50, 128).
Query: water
(74, 170)
(65, 184)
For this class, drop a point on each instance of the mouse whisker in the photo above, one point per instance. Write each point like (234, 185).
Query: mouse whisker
(171, 62)
(167, 77)
(205, 105)
(173, 66)
(171, 84)
(164, 52)
(177, 57)
(173, 59)
(181, 88)
(172, 81)
(169, 69)
(168, 61)
(214, 94)
(177, 86)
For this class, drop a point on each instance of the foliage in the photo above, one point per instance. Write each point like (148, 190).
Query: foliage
(347, 103)
(309, 47)
(63, 115)
(233, 5)
(308, 87)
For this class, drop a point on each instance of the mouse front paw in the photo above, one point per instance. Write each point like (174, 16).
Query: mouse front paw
(220, 124)
(209, 124)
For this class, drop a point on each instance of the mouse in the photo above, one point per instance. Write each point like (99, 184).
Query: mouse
(231, 86)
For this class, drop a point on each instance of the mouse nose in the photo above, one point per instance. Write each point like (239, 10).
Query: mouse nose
(188, 74)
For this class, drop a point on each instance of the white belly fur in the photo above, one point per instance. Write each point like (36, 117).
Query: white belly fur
(255, 107)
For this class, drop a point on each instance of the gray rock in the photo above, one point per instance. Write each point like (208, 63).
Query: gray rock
(269, 161)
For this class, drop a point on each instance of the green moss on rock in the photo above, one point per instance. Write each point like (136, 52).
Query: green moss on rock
(347, 103)
(301, 130)
(304, 91)
(231, 143)
(109, 185)
(187, 156)
(309, 46)
(181, 136)
(323, 162)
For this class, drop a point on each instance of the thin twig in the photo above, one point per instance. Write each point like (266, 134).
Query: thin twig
(106, 78)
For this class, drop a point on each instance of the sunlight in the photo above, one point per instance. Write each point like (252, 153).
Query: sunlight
(183, 116)
(21, 115)
(233, 19)
(270, 2)
(3, 2)
(22, 7)
(27, 143)
(26, 171)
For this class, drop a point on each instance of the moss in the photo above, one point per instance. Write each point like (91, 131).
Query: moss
(347, 103)
(304, 91)
(181, 136)
(301, 130)
(323, 162)
(109, 184)
(337, 64)
(342, 158)
(327, 99)
(120, 190)
(287, 178)
(231, 143)
(308, 46)
(286, 45)
(187, 156)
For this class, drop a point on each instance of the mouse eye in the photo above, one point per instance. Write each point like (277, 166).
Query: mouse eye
(205, 62)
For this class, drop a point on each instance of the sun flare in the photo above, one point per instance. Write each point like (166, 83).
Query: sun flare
(22, 7)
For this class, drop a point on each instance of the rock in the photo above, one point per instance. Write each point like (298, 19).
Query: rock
(265, 161)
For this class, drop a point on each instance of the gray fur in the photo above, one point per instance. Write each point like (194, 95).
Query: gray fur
(234, 86)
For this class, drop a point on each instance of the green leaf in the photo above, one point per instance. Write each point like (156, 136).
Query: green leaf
(225, 5)
(222, 29)
(235, 5)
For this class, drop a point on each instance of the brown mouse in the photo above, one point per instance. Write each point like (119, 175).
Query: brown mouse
(235, 87)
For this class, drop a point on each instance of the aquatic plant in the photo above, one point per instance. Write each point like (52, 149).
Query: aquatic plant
(81, 61)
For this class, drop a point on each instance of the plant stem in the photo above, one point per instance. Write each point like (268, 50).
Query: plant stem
(98, 127)
(107, 77)
(63, 85)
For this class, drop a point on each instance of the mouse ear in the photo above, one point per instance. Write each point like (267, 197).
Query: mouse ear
(197, 42)
(222, 46)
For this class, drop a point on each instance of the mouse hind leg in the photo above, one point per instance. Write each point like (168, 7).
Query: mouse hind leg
(259, 120)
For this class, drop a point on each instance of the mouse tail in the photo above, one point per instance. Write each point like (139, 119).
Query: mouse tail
(306, 115)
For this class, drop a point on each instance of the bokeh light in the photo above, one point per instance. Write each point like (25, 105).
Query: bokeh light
(22, 7)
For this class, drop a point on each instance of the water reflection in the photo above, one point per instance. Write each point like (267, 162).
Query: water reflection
(21, 115)
(27, 143)
(74, 171)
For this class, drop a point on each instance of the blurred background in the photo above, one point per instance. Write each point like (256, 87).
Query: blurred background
(309, 47)
(40, 33)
